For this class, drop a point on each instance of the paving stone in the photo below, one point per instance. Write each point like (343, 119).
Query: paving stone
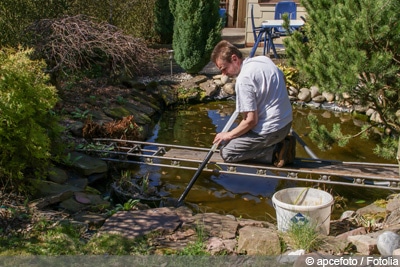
(217, 225)
(133, 224)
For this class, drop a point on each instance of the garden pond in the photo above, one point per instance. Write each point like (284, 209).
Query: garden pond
(250, 197)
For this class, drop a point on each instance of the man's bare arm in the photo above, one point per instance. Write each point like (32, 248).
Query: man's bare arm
(249, 120)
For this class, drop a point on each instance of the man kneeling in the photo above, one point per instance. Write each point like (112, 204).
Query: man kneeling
(263, 102)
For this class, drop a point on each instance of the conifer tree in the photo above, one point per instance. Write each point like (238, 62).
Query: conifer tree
(197, 29)
(164, 21)
(353, 46)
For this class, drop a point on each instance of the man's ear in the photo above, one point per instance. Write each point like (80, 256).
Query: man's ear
(234, 58)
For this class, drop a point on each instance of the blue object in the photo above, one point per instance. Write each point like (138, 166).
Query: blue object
(299, 218)
(281, 8)
(222, 12)
(261, 34)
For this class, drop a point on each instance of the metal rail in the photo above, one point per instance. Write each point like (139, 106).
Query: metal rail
(361, 174)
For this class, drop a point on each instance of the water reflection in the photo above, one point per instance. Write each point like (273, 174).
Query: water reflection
(249, 197)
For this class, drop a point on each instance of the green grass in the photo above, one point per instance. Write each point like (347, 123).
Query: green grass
(68, 239)
(113, 244)
(303, 235)
(198, 247)
(194, 249)
(55, 238)
(44, 239)
(65, 238)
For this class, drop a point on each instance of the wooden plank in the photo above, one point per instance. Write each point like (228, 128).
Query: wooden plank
(192, 155)
(334, 168)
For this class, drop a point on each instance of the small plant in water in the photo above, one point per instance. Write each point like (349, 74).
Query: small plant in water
(303, 235)
(141, 185)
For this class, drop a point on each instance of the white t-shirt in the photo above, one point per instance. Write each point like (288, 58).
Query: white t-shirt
(261, 86)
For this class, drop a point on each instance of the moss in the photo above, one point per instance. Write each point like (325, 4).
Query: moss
(189, 95)
(117, 112)
(360, 116)
(380, 203)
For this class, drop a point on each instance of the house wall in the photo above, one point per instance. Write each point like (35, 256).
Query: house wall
(264, 11)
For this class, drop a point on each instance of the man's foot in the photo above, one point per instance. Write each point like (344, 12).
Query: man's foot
(286, 152)
(281, 154)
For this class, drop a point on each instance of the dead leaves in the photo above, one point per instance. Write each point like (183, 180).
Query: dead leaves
(125, 129)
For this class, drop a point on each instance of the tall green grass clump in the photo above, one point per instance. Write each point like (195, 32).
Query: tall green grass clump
(303, 235)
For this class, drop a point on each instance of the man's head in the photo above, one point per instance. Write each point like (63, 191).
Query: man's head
(227, 57)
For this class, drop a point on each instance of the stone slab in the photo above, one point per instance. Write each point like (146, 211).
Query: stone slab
(132, 224)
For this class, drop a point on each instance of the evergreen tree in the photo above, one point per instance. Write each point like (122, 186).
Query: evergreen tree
(197, 29)
(353, 46)
(164, 21)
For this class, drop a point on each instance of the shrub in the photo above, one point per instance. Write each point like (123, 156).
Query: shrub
(27, 124)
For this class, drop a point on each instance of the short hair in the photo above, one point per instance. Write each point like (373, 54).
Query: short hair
(224, 50)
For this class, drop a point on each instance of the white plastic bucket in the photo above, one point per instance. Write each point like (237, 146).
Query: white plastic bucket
(303, 204)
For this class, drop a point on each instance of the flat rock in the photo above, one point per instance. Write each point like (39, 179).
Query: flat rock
(132, 224)
(48, 188)
(366, 245)
(83, 202)
(194, 82)
(81, 197)
(81, 183)
(50, 200)
(217, 225)
(258, 241)
(58, 175)
(91, 219)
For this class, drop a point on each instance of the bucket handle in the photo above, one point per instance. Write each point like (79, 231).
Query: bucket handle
(298, 197)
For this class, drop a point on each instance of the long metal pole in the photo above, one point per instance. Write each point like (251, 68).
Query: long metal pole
(206, 159)
(303, 144)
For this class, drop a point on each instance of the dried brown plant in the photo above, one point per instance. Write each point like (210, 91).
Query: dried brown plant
(125, 129)
(75, 43)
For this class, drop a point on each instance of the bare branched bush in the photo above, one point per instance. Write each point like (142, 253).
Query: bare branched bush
(77, 43)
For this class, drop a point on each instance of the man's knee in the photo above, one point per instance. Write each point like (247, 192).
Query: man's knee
(226, 156)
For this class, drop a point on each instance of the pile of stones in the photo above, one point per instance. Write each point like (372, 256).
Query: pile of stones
(221, 86)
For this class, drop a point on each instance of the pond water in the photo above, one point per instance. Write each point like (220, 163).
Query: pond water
(250, 197)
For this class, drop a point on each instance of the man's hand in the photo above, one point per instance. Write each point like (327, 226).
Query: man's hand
(222, 137)
(249, 120)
